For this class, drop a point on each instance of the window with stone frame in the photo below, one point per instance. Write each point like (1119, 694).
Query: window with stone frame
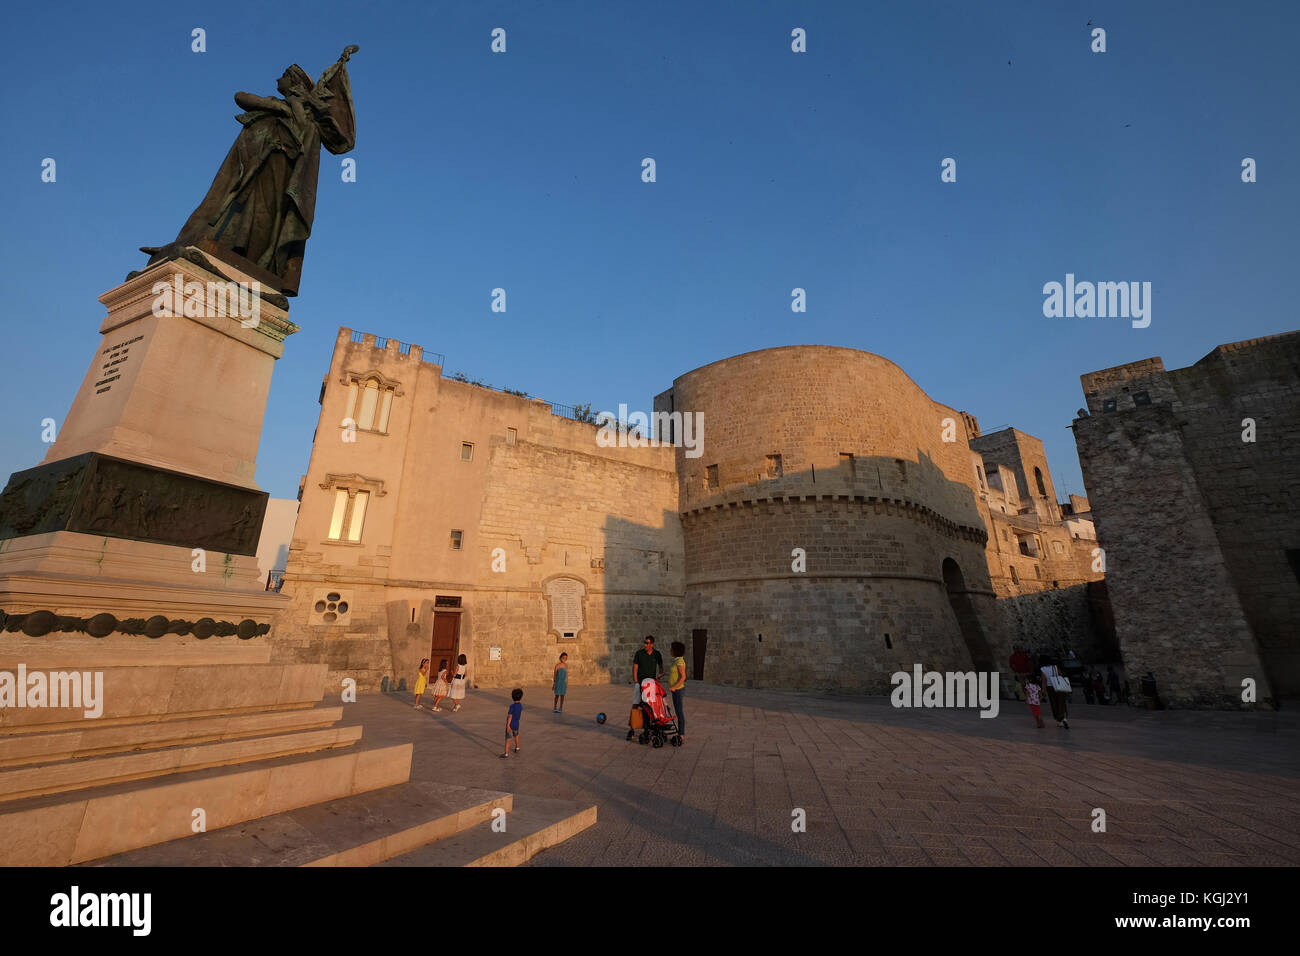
(711, 478)
(774, 466)
(353, 495)
(369, 402)
(1015, 578)
(457, 539)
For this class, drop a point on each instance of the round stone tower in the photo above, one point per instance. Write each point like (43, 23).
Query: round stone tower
(832, 536)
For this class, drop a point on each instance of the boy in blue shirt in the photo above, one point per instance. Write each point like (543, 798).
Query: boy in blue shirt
(512, 721)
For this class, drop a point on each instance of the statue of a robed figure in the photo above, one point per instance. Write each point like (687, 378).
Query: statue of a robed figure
(262, 202)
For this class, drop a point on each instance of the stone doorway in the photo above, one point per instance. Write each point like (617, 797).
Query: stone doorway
(971, 631)
(699, 644)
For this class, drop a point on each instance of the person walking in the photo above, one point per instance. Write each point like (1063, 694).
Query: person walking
(440, 686)
(677, 684)
(1034, 694)
(1052, 678)
(458, 682)
(560, 682)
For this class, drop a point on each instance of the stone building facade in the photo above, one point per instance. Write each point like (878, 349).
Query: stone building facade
(834, 530)
(1043, 556)
(443, 518)
(1196, 475)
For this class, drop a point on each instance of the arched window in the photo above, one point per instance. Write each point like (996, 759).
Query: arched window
(369, 400)
(1038, 477)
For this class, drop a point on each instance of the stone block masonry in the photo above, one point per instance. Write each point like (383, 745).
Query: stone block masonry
(1200, 524)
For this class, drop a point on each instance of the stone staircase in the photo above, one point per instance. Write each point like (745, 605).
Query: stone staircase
(411, 824)
(164, 778)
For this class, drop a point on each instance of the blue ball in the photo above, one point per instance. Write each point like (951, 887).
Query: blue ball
(600, 718)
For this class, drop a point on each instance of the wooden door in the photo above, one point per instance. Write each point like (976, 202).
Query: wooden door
(446, 643)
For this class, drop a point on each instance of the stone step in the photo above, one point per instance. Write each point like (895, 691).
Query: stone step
(355, 831)
(93, 740)
(534, 824)
(61, 830)
(30, 781)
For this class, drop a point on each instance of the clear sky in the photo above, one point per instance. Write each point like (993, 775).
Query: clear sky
(775, 170)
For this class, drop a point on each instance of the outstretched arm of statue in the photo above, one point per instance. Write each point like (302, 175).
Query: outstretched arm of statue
(251, 101)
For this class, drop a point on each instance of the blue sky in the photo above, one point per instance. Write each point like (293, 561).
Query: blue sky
(775, 170)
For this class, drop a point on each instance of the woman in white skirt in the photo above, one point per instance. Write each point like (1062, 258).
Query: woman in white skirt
(458, 683)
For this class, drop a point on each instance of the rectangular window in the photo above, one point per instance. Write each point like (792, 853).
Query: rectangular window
(1109, 405)
(336, 520)
(774, 466)
(466, 451)
(384, 409)
(512, 435)
(456, 539)
(847, 463)
(1141, 398)
(711, 478)
(358, 515)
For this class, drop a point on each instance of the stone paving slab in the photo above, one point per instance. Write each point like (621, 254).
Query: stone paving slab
(879, 785)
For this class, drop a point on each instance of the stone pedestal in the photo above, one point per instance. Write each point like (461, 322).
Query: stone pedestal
(130, 593)
(180, 381)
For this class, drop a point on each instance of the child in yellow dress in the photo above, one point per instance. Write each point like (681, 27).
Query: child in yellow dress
(421, 681)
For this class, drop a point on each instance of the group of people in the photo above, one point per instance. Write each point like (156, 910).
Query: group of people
(445, 685)
(1047, 675)
(647, 662)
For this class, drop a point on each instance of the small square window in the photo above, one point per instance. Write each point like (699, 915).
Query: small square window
(774, 466)
(1141, 398)
(456, 537)
(1109, 405)
(512, 435)
(466, 451)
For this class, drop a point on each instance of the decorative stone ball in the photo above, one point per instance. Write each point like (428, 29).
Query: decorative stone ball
(101, 625)
(38, 623)
(600, 718)
(203, 628)
(156, 626)
(247, 629)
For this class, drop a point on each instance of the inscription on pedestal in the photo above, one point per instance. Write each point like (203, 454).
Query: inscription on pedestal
(564, 596)
(114, 357)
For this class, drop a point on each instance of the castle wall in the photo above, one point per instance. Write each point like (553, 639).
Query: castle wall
(876, 528)
(1196, 523)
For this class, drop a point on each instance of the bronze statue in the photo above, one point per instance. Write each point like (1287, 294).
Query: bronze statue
(262, 202)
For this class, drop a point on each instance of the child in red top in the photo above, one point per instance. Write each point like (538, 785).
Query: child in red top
(1033, 693)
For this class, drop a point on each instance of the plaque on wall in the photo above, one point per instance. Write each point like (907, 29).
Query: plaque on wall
(564, 599)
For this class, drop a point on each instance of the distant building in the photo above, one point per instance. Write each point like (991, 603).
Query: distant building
(1195, 475)
(273, 545)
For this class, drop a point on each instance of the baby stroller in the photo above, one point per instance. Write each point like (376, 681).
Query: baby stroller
(657, 722)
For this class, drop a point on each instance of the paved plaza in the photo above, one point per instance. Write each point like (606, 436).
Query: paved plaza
(879, 785)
